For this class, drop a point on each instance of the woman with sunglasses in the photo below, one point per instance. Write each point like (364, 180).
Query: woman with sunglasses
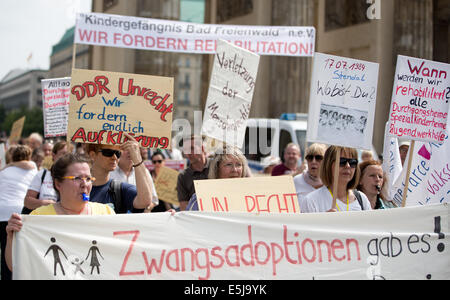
(309, 180)
(158, 161)
(72, 181)
(347, 199)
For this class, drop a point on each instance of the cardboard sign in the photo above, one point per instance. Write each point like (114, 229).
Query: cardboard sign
(16, 130)
(166, 185)
(254, 194)
(178, 165)
(419, 107)
(342, 101)
(173, 36)
(230, 94)
(103, 105)
(391, 244)
(55, 106)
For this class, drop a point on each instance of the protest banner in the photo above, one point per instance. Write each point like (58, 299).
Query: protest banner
(392, 164)
(166, 185)
(55, 106)
(342, 101)
(174, 36)
(16, 130)
(230, 94)
(103, 105)
(419, 106)
(251, 194)
(429, 175)
(401, 243)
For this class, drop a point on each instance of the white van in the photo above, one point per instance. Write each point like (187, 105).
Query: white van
(264, 137)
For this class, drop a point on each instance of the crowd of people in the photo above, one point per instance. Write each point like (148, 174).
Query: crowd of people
(58, 178)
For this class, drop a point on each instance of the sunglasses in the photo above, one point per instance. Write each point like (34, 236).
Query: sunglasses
(156, 161)
(311, 157)
(353, 162)
(110, 152)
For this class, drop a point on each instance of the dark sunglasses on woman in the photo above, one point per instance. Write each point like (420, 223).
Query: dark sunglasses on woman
(311, 157)
(351, 161)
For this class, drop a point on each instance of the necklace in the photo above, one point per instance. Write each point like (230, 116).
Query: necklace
(346, 193)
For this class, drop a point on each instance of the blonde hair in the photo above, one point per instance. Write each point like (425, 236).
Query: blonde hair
(221, 155)
(315, 149)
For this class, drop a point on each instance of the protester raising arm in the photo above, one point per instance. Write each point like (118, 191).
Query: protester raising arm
(143, 181)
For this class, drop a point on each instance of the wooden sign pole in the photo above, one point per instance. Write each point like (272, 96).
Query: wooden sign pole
(336, 176)
(405, 189)
(74, 55)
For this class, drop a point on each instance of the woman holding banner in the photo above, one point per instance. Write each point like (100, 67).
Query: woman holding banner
(347, 199)
(227, 162)
(72, 181)
(371, 184)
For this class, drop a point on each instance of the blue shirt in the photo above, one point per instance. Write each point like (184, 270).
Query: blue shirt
(100, 194)
(193, 204)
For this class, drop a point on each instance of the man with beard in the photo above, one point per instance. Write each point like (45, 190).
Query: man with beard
(194, 150)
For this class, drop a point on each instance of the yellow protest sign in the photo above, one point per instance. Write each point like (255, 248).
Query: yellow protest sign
(16, 130)
(103, 105)
(166, 185)
(254, 194)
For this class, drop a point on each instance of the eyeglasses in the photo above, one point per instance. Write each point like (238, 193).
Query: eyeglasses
(231, 165)
(110, 152)
(351, 161)
(311, 157)
(79, 179)
(156, 161)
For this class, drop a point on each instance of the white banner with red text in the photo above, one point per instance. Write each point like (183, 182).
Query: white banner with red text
(174, 36)
(400, 243)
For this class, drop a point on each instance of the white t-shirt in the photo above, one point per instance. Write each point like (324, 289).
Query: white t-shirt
(302, 189)
(118, 174)
(14, 182)
(45, 190)
(321, 200)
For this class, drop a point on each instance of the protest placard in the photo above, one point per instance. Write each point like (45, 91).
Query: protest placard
(55, 106)
(16, 130)
(392, 164)
(342, 101)
(230, 94)
(178, 165)
(391, 244)
(419, 106)
(252, 194)
(174, 36)
(166, 185)
(429, 175)
(103, 105)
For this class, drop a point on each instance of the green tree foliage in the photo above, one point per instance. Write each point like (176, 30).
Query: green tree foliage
(34, 121)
